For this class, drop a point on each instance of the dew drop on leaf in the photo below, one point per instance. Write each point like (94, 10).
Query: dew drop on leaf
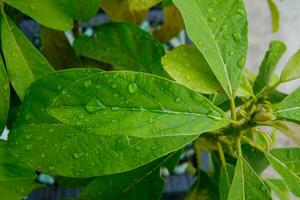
(132, 87)
(94, 106)
(122, 143)
(237, 37)
(87, 83)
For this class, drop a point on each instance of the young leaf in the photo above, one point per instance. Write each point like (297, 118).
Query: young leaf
(219, 30)
(57, 49)
(278, 187)
(272, 56)
(4, 95)
(289, 129)
(291, 71)
(226, 178)
(85, 118)
(173, 24)
(289, 108)
(275, 15)
(141, 183)
(286, 161)
(118, 11)
(15, 181)
(24, 63)
(187, 66)
(125, 46)
(51, 13)
(245, 88)
(247, 184)
(137, 5)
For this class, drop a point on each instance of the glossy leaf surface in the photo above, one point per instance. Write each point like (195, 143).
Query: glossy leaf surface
(4, 95)
(279, 188)
(226, 178)
(272, 56)
(24, 62)
(291, 71)
(247, 184)
(289, 108)
(219, 30)
(286, 161)
(132, 117)
(125, 46)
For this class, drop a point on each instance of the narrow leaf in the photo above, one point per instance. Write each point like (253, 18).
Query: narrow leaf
(291, 71)
(279, 188)
(125, 46)
(115, 120)
(4, 95)
(275, 15)
(187, 66)
(226, 178)
(119, 11)
(24, 63)
(15, 181)
(247, 184)
(286, 161)
(289, 108)
(57, 49)
(289, 129)
(173, 24)
(219, 30)
(272, 56)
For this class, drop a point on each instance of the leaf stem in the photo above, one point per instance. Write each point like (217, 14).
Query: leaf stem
(238, 145)
(198, 154)
(232, 108)
(252, 144)
(221, 154)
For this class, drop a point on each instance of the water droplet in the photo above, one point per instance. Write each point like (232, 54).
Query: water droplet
(87, 83)
(237, 37)
(114, 86)
(122, 143)
(43, 156)
(177, 100)
(81, 116)
(132, 87)
(32, 7)
(114, 121)
(51, 167)
(138, 148)
(226, 37)
(29, 146)
(212, 19)
(231, 53)
(240, 12)
(28, 137)
(241, 62)
(94, 106)
(77, 155)
(114, 108)
(59, 87)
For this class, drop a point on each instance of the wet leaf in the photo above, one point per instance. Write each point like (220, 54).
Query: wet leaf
(289, 129)
(286, 161)
(291, 71)
(279, 188)
(115, 120)
(4, 95)
(247, 184)
(226, 178)
(125, 46)
(219, 30)
(24, 62)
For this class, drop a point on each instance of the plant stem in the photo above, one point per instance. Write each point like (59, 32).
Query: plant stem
(238, 145)
(253, 144)
(198, 154)
(221, 154)
(232, 108)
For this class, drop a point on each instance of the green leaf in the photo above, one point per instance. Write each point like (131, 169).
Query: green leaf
(289, 108)
(119, 11)
(289, 129)
(137, 5)
(89, 117)
(272, 56)
(68, 182)
(275, 15)
(51, 13)
(125, 46)
(173, 24)
(142, 183)
(24, 62)
(278, 187)
(286, 161)
(226, 178)
(245, 88)
(256, 159)
(4, 95)
(187, 66)
(291, 71)
(219, 30)
(15, 180)
(247, 184)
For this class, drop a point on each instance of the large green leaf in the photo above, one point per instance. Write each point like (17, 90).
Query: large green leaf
(275, 15)
(187, 66)
(57, 14)
(57, 49)
(219, 30)
(15, 181)
(4, 95)
(286, 161)
(266, 70)
(142, 183)
(125, 46)
(24, 63)
(115, 120)
(278, 187)
(289, 108)
(247, 184)
(291, 71)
